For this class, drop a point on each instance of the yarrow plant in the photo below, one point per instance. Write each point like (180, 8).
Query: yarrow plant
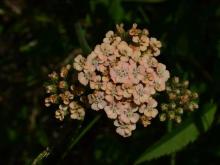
(121, 77)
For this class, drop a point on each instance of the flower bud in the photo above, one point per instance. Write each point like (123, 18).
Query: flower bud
(179, 110)
(51, 89)
(178, 119)
(53, 76)
(162, 117)
(172, 105)
(195, 95)
(63, 85)
(164, 107)
(171, 115)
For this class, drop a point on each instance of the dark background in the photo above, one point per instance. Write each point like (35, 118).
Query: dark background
(36, 36)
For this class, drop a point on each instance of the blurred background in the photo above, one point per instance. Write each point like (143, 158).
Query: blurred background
(36, 36)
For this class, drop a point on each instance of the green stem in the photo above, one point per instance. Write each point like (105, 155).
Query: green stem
(173, 155)
(75, 140)
(81, 38)
(45, 153)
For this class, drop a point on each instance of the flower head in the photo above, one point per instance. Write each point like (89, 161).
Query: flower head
(123, 75)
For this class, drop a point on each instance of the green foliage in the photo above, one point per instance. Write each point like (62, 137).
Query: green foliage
(182, 135)
(37, 37)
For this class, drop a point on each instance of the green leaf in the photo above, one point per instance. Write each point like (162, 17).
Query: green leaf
(182, 135)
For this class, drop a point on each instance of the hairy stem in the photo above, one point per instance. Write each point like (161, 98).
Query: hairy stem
(45, 153)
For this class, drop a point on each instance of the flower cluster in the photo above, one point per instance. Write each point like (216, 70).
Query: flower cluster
(181, 100)
(62, 94)
(124, 76)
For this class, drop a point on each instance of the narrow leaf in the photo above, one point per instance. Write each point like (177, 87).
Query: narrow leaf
(182, 135)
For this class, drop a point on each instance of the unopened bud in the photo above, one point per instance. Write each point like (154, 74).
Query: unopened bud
(178, 119)
(162, 117)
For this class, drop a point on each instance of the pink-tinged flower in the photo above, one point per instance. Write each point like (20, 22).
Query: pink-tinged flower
(136, 39)
(152, 102)
(107, 49)
(123, 129)
(96, 83)
(155, 45)
(92, 62)
(148, 61)
(77, 114)
(136, 53)
(128, 115)
(98, 51)
(59, 114)
(141, 94)
(76, 111)
(144, 42)
(144, 61)
(134, 31)
(51, 99)
(65, 70)
(112, 92)
(106, 52)
(162, 72)
(145, 120)
(119, 73)
(151, 112)
(123, 106)
(148, 111)
(160, 85)
(97, 100)
(116, 41)
(86, 76)
(152, 62)
(161, 68)
(149, 77)
(166, 75)
(79, 62)
(111, 38)
(145, 32)
(136, 73)
(66, 97)
(125, 90)
(124, 50)
(111, 110)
